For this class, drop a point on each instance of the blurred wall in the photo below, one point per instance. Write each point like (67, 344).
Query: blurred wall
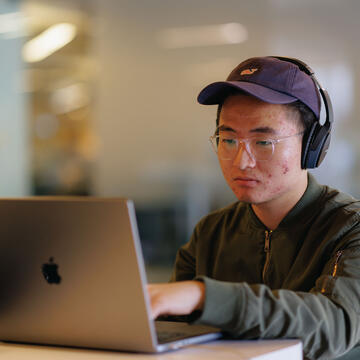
(14, 136)
(155, 136)
(141, 133)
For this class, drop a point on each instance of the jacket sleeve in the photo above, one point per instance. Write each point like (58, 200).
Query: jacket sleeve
(326, 319)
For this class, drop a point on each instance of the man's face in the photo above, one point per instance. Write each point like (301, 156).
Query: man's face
(254, 181)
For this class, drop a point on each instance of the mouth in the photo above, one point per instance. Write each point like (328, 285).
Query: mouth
(245, 181)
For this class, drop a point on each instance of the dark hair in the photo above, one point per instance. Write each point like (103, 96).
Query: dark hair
(307, 117)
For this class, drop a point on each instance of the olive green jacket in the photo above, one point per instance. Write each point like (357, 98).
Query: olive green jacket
(301, 280)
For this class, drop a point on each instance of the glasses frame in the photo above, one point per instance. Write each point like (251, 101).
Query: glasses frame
(214, 140)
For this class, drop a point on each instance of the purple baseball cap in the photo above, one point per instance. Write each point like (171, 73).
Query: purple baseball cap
(268, 79)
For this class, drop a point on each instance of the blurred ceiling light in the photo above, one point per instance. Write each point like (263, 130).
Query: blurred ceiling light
(230, 33)
(49, 41)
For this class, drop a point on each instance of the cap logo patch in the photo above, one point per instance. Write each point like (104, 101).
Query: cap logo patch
(248, 71)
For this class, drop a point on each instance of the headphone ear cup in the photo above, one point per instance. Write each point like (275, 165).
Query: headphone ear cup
(317, 146)
(307, 140)
(324, 147)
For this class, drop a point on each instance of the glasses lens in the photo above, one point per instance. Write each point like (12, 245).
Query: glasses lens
(227, 147)
(261, 148)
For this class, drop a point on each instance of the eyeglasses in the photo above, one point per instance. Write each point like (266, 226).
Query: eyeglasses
(260, 148)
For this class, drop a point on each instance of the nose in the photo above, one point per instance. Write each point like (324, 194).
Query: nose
(244, 159)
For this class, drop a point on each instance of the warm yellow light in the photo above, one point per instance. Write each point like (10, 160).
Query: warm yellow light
(49, 41)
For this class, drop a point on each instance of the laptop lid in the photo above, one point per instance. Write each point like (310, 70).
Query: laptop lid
(99, 301)
(72, 273)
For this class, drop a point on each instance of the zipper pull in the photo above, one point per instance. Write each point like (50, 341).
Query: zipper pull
(338, 255)
(334, 272)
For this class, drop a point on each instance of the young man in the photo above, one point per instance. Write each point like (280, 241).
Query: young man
(283, 261)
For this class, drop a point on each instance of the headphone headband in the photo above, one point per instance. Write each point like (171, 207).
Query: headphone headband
(317, 140)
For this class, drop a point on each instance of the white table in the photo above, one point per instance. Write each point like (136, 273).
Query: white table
(221, 349)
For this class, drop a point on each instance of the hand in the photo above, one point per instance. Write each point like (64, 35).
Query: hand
(178, 298)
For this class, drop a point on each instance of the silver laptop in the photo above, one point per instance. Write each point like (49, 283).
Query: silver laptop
(72, 273)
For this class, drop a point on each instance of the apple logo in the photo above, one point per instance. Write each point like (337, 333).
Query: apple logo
(50, 272)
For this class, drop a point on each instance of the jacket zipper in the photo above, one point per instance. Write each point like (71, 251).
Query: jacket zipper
(267, 252)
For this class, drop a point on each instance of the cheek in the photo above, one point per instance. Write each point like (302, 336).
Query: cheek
(225, 168)
(285, 169)
(288, 162)
(268, 176)
(273, 176)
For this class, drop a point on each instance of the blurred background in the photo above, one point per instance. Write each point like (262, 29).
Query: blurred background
(98, 98)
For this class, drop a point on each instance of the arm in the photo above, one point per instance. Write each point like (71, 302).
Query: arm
(326, 319)
(181, 298)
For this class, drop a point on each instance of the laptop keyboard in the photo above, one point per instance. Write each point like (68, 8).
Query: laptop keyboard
(168, 336)
(168, 331)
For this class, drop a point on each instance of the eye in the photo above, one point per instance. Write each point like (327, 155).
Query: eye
(228, 141)
(263, 143)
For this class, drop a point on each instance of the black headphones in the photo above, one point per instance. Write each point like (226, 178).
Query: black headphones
(316, 140)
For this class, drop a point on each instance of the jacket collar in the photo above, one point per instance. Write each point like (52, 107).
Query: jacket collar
(303, 208)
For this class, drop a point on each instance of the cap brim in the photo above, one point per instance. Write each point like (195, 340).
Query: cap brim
(216, 92)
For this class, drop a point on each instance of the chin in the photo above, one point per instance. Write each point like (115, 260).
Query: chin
(246, 196)
(252, 196)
